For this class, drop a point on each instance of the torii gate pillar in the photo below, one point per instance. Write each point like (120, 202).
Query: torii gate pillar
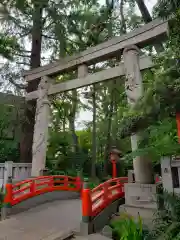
(134, 90)
(40, 138)
(140, 194)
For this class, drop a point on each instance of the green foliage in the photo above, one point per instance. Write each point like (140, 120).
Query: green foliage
(166, 223)
(9, 151)
(159, 140)
(154, 114)
(8, 46)
(167, 218)
(166, 8)
(126, 228)
(9, 147)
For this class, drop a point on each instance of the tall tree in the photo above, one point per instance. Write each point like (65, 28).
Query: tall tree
(35, 61)
(147, 18)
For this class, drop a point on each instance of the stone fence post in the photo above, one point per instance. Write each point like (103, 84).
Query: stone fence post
(8, 171)
(6, 206)
(166, 172)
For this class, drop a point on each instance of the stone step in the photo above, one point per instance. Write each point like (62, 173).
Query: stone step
(136, 211)
(146, 214)
(95, 236)
(60, 236)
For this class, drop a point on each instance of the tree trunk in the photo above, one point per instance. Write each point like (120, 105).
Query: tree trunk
(108, 137)
(35, 61)
(64, 124)
(110, 109)
(147, 18)
(144, 11)
(115, 114)
(123, 22)
(72, 121)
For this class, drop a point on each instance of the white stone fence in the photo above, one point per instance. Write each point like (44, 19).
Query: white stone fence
(17, 171)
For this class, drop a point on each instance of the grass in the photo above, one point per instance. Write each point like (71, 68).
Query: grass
(126, 228)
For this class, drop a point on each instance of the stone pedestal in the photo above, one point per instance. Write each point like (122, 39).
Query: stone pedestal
(144, 195)
(140, 199)
(146, 214)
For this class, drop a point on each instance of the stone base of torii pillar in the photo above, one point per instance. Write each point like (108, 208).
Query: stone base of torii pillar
(140, 200)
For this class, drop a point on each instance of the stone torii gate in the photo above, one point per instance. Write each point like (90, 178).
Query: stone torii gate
(129, 45)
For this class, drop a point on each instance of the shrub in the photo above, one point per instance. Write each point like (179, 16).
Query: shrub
(126, 228)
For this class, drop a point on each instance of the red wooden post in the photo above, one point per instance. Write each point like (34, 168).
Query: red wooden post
(86, 203)
(78, 183)
(66, 182)
(106, 194)
(178, 125)
(51, 182)
(114, 169)
(114, 158)
(33, 187)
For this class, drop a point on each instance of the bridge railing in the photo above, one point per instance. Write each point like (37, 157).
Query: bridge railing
(95, 200)
(18, 192)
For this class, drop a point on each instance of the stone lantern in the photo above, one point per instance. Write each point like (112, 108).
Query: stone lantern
(115, 155)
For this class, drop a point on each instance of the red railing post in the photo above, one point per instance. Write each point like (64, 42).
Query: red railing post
(66, 182)
(33, 187)
(86, 203)
(114, 171)
(78, 183)
(106, 193)
(51, 183)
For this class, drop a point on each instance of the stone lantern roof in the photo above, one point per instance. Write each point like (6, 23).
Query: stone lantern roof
(116, 151)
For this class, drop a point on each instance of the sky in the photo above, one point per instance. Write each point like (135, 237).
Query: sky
(87, 115)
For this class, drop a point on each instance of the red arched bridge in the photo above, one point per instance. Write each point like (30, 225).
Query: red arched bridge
(56, 205)
(60, 214)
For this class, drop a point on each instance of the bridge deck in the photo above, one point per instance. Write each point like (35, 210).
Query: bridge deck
(43, 220)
